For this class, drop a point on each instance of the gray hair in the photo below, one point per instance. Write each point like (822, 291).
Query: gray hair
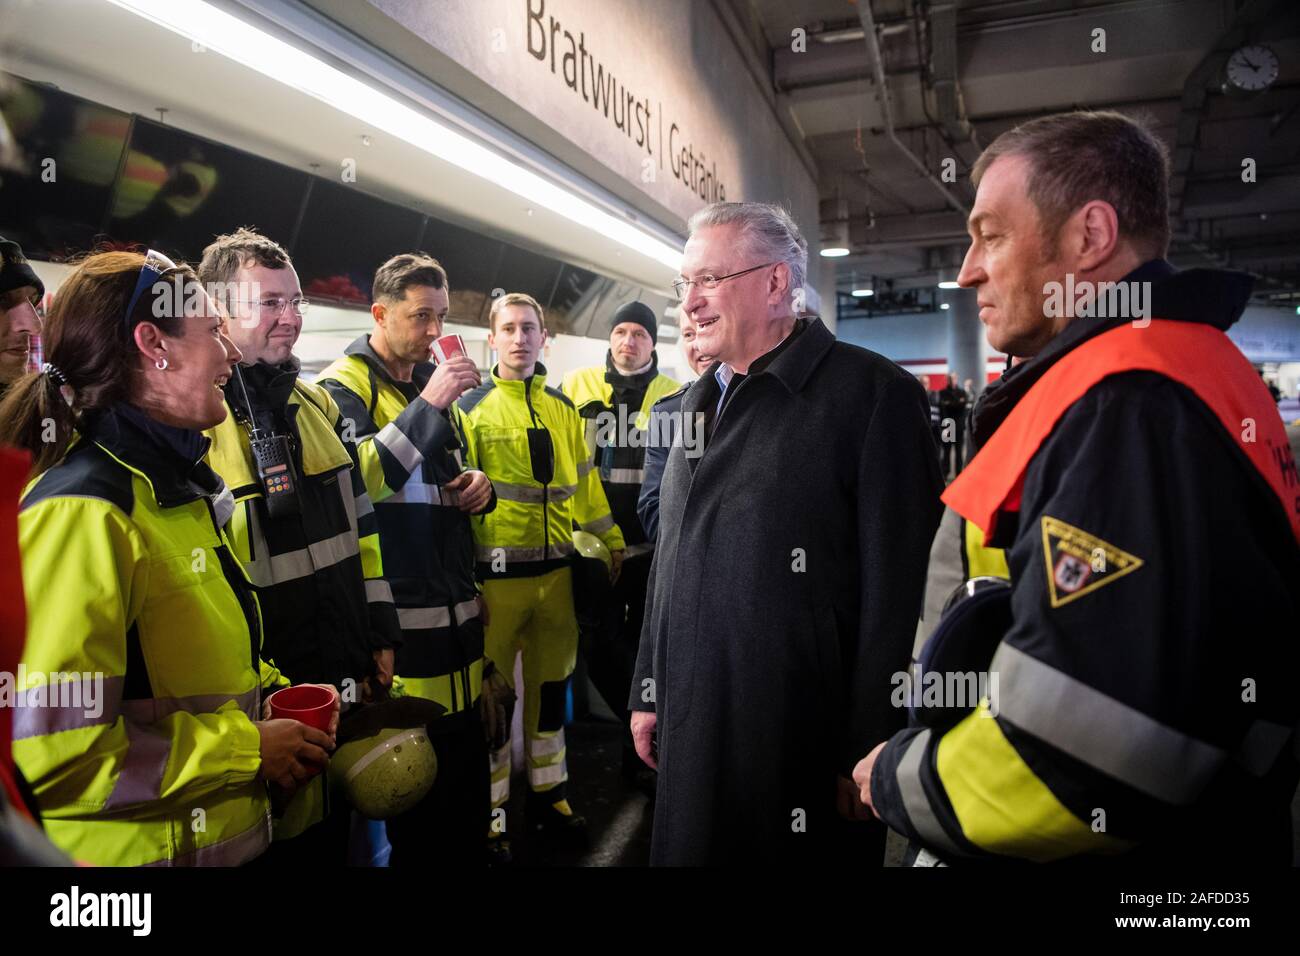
(768, 232)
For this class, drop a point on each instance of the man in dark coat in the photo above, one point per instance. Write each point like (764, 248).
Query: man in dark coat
(789, 569)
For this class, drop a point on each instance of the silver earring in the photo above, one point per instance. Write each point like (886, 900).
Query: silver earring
(160, 363)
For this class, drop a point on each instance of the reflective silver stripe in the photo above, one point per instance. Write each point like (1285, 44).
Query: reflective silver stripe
(634, 550)
(465, 611)
(362, 506)
(500, 791)
(231, 852)
(1099, 730)
(140, 776)
(349, 505)
(915, 802)
(416, 492)
(546, 746)
(626, 476)
(541, 776)
(391, 437)
(379, 591)
(424, 618)
(150, 710)
(223, 506)
(533, 495)
(1261, 745)
(293, 565)
(499, 758)
(38, 711)
(584, 468)
(487, 553)
(599, 525)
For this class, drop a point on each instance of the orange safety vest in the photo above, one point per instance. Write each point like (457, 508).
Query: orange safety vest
(1195, 355)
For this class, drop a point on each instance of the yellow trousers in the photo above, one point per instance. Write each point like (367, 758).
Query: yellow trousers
(534, 616)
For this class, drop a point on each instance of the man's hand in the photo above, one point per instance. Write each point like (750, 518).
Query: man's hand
(450, 380)
(473, 491)
(483, 609)
(643, 730)
(847, 802)
(862, 777)
(383, 667)
(496, 707)
(615, 565)
(292, 752)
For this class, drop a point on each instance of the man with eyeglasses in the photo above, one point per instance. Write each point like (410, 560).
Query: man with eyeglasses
(302, 522)
(789, 566)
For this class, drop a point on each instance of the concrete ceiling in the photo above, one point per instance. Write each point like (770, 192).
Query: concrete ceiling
(1007, 61)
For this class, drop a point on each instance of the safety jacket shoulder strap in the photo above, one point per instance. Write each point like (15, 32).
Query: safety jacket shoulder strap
(322, 449)
(660, 388)
(1199, 357)
(587, 385)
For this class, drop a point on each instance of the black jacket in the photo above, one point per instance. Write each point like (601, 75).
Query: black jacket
(784, 593)
(322, 616)
(1189, 656)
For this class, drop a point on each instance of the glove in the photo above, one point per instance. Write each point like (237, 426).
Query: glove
(497, 708)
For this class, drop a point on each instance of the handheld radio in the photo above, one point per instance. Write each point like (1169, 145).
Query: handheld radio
(274, 462)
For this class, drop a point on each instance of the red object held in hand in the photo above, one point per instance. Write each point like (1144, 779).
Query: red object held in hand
(448, 346)
(312, 705)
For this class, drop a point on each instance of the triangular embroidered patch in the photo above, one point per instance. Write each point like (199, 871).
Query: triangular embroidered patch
(1078, 562)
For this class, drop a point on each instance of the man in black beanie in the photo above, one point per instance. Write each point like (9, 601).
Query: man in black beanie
(616, 400)
(20, 292)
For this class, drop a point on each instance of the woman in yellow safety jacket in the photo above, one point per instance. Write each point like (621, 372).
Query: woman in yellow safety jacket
(139, 691)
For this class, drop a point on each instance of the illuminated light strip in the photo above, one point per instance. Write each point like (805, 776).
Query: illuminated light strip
(244, 43)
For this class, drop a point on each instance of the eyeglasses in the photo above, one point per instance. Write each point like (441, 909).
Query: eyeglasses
(276, 305)
(708, 282)
(155, 266)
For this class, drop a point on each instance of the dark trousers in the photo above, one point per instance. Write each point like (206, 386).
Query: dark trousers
(450, 825)
(609, 643)
(951, 459)
(324, 844)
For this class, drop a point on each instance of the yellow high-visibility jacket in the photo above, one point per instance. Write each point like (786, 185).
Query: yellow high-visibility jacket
(618, 448)
(141, 678)
(507, 427)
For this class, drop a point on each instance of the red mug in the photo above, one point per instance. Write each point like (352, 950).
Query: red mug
(448, 346)
(312, 705)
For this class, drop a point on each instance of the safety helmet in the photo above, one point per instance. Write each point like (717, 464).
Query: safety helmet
(591, 569)
(589, 546)
(975, 618)
(386, 773)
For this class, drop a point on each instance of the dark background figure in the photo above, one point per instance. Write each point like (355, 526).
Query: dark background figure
(952, 426)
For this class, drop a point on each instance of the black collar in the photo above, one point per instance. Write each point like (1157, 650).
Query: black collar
(639, 382)
(791, 363)
(267, 387)
(1209, 296)
(170, 458)
(420, 374)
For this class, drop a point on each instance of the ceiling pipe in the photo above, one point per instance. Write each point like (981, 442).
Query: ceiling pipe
(886, 111)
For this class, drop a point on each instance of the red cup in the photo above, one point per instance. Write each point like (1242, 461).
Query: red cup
(447, 346)
(312, 705)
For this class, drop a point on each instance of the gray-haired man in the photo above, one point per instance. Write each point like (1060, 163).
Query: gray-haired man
(789, 567)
